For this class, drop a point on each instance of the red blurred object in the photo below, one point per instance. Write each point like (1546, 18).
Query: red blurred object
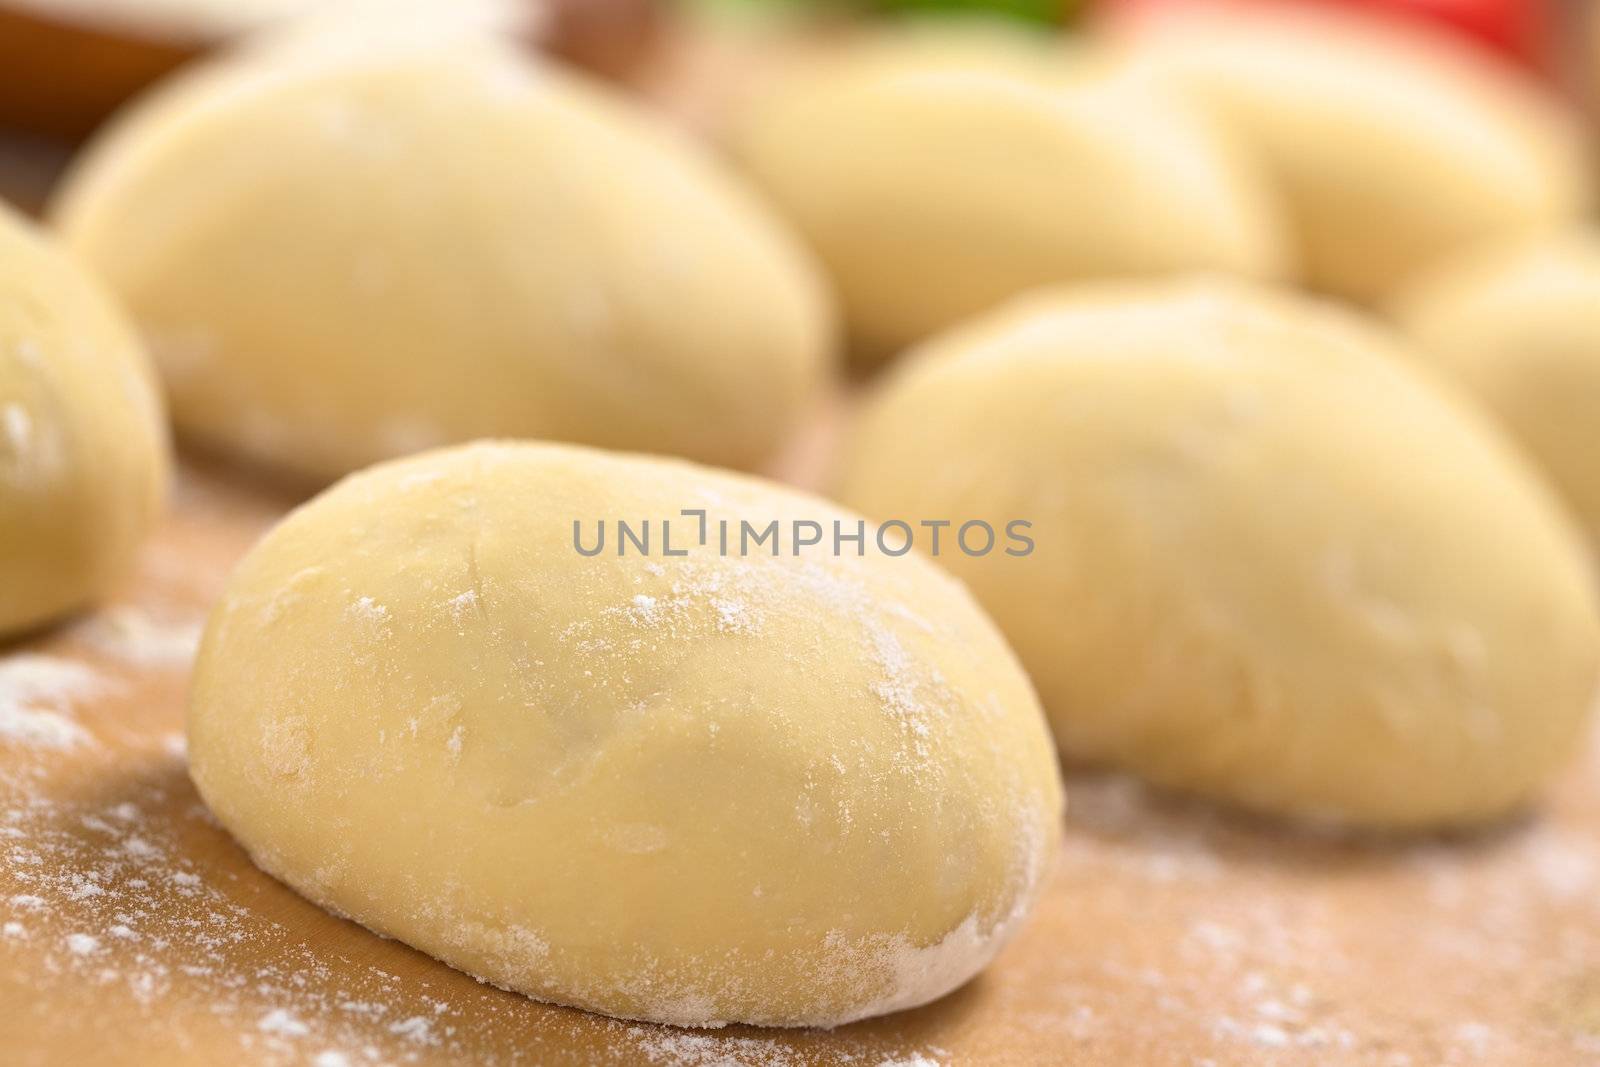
(1519, 30)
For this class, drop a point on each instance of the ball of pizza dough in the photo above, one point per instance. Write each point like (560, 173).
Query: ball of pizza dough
(83, 448)
(938, 174)
(673, 784)
(1272, 563)
(341, 249)
(1519, 327)
(1392, 147)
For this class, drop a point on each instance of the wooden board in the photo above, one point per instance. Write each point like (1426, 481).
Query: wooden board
(135, 931)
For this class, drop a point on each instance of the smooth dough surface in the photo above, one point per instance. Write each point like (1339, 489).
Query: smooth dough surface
(1391, 148)
(1274, 563)
(1519, 327)
(939, 174)
(83, 449)
(693, 789)
(341, 252)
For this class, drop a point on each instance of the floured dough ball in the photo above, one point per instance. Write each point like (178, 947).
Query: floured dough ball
(1520, 328)
(685, 786)
(1393, 148)
(344, 248)
(938, 174)
(83, 449)
(1272, 563)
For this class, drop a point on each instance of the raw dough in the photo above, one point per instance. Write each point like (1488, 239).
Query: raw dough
(83, 450)
(343, 251)
(779, 790)
(1520, 327)
(1274, 564)
(1393, 148)
(939, 174)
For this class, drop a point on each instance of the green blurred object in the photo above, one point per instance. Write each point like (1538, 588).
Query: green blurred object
(1051, 12)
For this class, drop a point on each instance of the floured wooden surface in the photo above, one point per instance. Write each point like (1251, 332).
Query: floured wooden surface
(132, 929)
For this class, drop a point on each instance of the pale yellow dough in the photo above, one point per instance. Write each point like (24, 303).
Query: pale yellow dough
(938, 174)
(1392, 148)
(343, 249)
(1520, 328)
(778, 790)
(83, 449)
(1274, 563)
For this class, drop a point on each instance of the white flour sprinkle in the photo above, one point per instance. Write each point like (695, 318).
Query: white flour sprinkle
(139, 848)
(416, 1028)
(35, 691)
(368, 608)
(83, 944)
(37, 728)
(732, 615)
(644, 608)
(134, 636)
(463, 605)
(663, 1047)
(104, 893)
(17, 426)
(281, 1022)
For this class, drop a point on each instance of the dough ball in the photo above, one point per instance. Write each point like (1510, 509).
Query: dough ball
(1520, 328)
(1273, 564)
(1392, 148)
(83, 449)
(341, 252)
(937, 175)
(697, 789)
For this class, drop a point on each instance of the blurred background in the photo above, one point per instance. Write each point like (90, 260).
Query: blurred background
(65, 65)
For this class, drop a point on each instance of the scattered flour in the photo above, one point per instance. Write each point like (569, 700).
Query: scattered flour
(16, 426)
(137, 637)
(39, 728)
(662, 1047)
(368, 608)
(417, 1028)
(36, 692)
(278, 1021)
(83, 944)
(463, 604)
